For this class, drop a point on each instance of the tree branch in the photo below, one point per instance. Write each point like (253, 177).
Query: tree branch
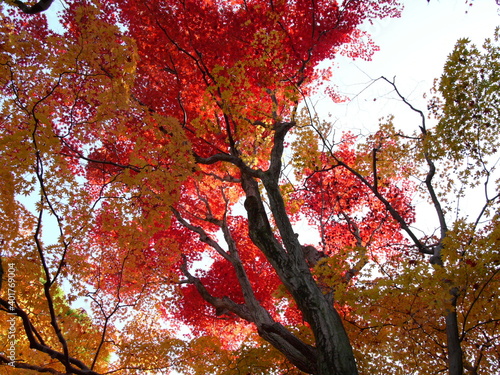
(436, 258)
(68, 361)
(39, 7)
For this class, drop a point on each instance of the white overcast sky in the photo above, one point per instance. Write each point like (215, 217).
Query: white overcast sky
(413, 48)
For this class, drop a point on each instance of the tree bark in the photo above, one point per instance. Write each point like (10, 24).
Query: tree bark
(335, 355)
(455, 354)
(334, 351)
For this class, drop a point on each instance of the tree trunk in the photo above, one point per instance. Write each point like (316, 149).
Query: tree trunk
(334, 351)
(332, 354)
(335, 355)
(455, 354)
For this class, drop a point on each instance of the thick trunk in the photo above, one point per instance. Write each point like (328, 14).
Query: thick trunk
(455, 354)
(335, 355)
(334, 351)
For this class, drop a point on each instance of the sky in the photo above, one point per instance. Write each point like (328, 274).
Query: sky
(413, 49)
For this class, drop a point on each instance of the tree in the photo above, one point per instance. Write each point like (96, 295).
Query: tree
(186, 130)
(154, 138)
(448, 314)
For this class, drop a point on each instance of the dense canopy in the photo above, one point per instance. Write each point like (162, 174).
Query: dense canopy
(171, 203)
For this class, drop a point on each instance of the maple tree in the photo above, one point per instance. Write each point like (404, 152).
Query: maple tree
(450, 321)
(152, 136)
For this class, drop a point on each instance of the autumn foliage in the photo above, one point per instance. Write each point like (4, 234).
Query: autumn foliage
(178, 207)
